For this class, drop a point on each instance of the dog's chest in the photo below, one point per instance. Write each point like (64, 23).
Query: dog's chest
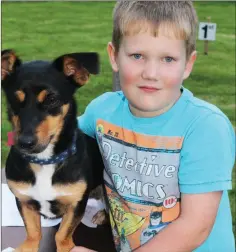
(43, 191)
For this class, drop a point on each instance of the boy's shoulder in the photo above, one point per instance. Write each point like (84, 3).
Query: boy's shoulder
(201, 108)
(107, 100)
(99, 108)
(202, 116)
(108, 97)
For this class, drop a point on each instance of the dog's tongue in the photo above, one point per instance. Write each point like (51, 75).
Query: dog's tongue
(10, 138)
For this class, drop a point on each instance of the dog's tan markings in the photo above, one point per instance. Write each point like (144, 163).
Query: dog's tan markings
(72, 68)
(42, 95)
(69, 222)
(64, 241)
(11, 60)
(82, 76)
(16, 122)
(73, 192)
(7, 63)
(18, 189)
(65, 109)
(32, 223)
(52, 125)
(47, 128)
(35, 167)
(16, 126)
(20, 95)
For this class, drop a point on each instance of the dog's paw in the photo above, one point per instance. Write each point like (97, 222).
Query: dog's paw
(65, 246)
(28, 246)
(100, 217)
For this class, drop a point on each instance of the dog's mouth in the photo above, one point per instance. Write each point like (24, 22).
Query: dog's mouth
(33, 148)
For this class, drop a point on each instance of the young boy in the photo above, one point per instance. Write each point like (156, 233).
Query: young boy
(168, 155)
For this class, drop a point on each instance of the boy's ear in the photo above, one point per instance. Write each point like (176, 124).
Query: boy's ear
(112, 56)
(78, 66)
(189, 64)
(9, 62)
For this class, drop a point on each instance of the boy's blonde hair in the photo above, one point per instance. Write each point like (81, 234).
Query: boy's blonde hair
(174, 18)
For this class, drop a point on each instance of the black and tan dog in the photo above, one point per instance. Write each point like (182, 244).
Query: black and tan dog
(52, 167)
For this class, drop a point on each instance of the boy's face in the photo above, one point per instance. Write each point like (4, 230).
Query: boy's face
(151, 71)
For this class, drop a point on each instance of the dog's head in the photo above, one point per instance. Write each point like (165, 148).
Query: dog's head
(39, 95)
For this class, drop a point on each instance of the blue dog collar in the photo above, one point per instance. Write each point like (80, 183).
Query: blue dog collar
(56, 158)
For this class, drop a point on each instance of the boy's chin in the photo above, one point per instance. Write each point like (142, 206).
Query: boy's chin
(148, 110)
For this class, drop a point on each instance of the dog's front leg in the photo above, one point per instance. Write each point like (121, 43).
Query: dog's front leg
(70, 221)
(32, 223)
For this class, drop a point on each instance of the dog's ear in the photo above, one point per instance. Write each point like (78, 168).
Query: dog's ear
(9, 62)
(78, 66)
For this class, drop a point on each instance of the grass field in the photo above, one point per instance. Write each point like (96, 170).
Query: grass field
(45, 30)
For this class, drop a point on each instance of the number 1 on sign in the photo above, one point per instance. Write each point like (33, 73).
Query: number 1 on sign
(205, 31)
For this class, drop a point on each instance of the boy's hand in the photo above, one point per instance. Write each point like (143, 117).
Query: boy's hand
(82, 249)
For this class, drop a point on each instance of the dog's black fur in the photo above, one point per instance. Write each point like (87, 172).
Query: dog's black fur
(40, 94)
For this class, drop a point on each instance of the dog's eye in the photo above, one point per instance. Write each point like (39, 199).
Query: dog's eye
(51, 98)
(51, 101)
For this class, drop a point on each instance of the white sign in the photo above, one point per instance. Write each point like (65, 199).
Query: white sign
(207, 31)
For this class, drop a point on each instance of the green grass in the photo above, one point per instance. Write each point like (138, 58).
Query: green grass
(45, 30)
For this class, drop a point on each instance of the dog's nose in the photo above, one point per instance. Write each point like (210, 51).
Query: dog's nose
(26, 141)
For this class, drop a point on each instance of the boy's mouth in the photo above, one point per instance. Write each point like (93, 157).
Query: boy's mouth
(149, 89)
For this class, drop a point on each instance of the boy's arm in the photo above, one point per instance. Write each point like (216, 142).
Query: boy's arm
(190, 230)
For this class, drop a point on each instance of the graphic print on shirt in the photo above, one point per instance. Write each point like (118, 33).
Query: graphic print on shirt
(141, 180)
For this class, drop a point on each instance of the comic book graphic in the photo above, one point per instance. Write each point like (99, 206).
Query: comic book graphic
(141, 180)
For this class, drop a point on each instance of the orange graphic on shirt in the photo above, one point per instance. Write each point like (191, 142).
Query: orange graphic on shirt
(158, 142)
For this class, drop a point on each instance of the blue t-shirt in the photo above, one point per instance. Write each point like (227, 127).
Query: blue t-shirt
(149, 162)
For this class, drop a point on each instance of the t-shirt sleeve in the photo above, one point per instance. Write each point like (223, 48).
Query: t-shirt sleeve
(207, 156)
(87, 121)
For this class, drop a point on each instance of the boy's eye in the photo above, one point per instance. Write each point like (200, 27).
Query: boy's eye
(168, 59)
(137, 56)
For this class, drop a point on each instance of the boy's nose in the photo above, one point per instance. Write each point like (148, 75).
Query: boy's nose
(150, 71)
